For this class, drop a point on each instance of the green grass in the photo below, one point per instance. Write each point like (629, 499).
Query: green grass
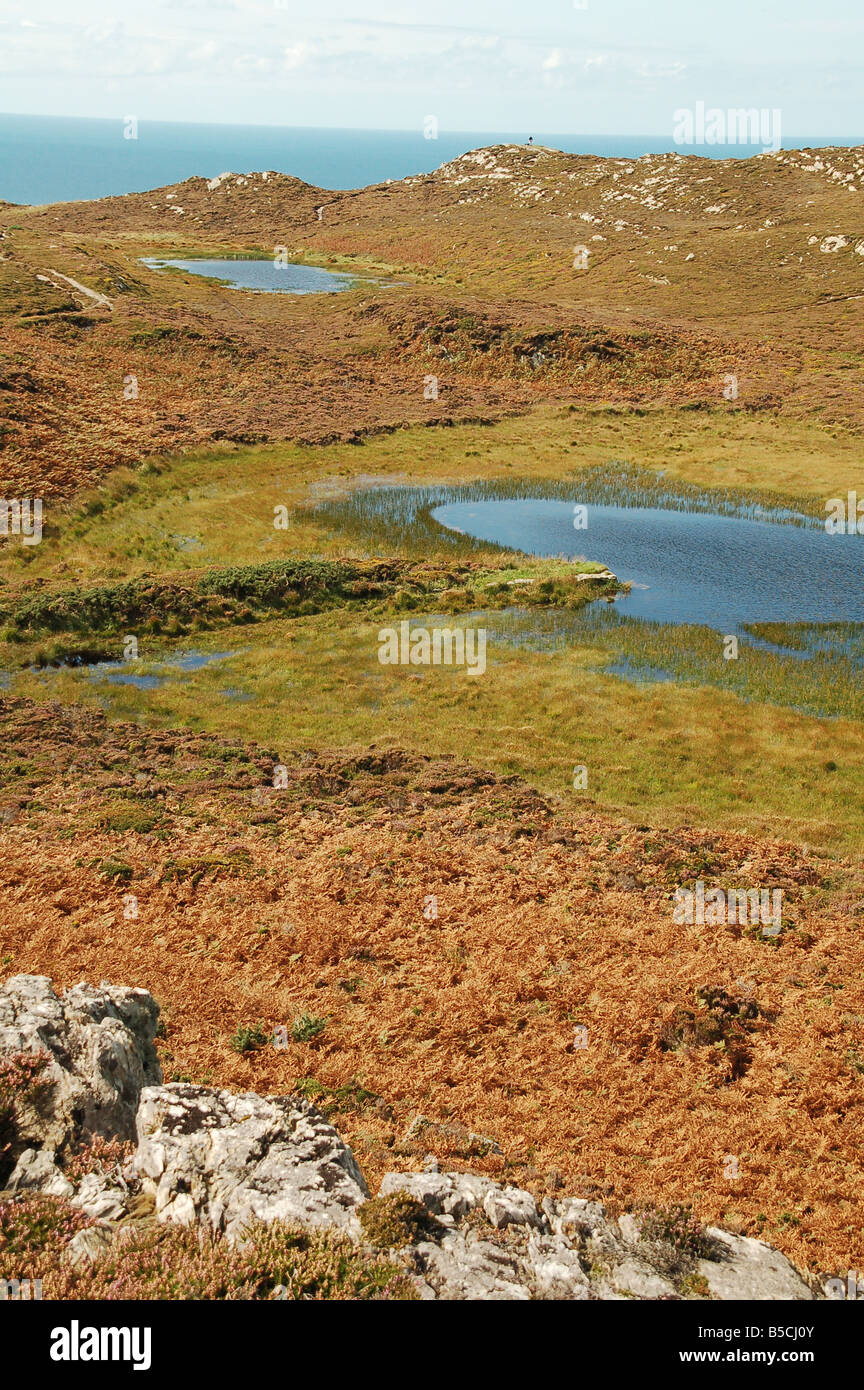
(829, 684)
(307, 1026)
(737, 744)
(152, 608)
(249, 1038)
(216, 507)
(659, 753)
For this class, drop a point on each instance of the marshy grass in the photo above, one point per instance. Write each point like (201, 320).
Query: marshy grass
(222, 500)
(821, 676)
(741, 743)
(372, 519)
(663, 754)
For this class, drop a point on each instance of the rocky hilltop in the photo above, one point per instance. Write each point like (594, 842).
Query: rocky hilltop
(99, 1149)
(515, 275)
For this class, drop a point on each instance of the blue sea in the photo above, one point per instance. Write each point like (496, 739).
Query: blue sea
(48, 159)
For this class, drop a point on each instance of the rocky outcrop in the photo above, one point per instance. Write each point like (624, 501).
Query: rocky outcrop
(221, 1161)
(496, 1243)
(98, 1054)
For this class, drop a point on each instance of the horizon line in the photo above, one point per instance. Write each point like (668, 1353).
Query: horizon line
(386, 130)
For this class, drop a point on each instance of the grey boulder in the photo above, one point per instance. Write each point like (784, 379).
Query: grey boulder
(222, 1160)
(100, 1054)
(494, 1242)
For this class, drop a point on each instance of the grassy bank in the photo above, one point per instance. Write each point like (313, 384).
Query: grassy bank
(692, 739)
(217, 507)
(660, 753)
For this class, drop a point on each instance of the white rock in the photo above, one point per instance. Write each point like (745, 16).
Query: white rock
(509, 1206)
(460, 1268)
(99, 1197)
(451, 1194)
(752, 1270)
(89, 1244)
(99, 1044)
(36, 1169)
(573, 1216)
(223, 1160)
(635, 1277)
(556, 1269)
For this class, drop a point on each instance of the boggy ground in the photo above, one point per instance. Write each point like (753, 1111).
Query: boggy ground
(432, 937)
(753, 748)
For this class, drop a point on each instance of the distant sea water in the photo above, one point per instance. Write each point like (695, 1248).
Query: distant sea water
(48, 159)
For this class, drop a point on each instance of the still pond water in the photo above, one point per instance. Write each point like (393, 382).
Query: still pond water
(687, 567)
(264, 276)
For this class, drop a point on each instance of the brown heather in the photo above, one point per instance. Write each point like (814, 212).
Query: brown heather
(172, 1262)
(311, 900)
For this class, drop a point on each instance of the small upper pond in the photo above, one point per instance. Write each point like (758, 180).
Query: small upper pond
(265, 276)
(686, 566)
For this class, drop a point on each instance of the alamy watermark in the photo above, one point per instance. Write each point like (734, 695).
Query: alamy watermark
(21, 517)
(418, 646)
(853, 1289)
(20, 1290)
(846, 515)
(77, 1343)
(745, 906)
(701, 125)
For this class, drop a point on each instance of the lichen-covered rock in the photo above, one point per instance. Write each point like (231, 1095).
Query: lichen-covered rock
(751, 1270)
(443, 1194)
(37, 1170)
(459, 1267)
(494, 1243)
(556, 1269)
(503, 1249)
(211, 1158)
(90, 1243)
(100, 1054)
(631, 1277)
(510, 1206)
(101, 1196)
(222, 1160)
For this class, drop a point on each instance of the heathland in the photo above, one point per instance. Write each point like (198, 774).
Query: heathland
(525, 320)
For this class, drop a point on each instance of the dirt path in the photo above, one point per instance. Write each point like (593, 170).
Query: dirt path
(97, 298)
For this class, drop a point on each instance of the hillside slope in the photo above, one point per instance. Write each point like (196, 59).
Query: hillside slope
(523, 275)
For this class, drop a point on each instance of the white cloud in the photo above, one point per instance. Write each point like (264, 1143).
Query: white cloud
(479, 65)
(661, 70)
(297, 55)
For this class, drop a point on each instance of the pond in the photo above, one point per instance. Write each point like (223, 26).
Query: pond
(123, 673)
(686, 566)
(263, 276)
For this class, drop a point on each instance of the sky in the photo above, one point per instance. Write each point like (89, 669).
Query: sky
(566, 66)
